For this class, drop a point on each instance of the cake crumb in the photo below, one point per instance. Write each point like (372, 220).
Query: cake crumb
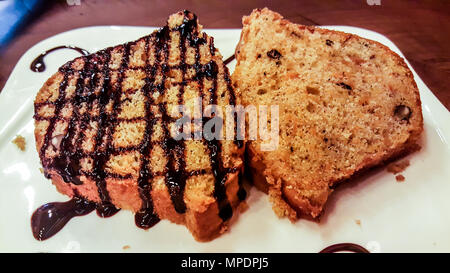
(358, 222)
(400, 178)
(126, 247)
(243, 206)
(20, 142)
(397, 167)
(41, 170)
(416, 147)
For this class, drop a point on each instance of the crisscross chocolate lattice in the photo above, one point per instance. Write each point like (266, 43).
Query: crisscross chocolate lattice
(93, 108)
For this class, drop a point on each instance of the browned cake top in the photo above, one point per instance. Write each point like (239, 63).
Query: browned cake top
(109, 114)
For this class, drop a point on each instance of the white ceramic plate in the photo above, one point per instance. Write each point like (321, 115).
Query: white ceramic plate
(394, 217)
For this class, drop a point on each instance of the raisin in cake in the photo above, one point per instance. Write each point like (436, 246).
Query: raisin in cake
(345, 103)
(103, 130)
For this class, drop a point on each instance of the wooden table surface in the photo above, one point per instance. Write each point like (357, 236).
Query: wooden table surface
(421, 29)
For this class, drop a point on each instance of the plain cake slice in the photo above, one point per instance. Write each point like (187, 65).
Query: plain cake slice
(346, 104)
(103, 130)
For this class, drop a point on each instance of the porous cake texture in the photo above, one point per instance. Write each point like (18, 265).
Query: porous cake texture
(346, 104)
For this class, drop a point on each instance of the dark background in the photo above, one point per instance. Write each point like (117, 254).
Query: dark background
(421, 29)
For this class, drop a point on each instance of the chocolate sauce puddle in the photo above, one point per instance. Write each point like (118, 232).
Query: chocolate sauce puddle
(344, 247)
(38, 64)
(50, 218)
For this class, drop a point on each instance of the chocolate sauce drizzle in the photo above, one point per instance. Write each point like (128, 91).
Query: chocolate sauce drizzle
(146, 217)
(94, 85)
(229, 59)
(176, 175)
(107, 92)
(38, 64)
(67, 161)
(344, 247)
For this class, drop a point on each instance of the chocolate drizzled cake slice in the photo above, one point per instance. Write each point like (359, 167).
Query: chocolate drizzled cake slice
(104, 130)
(345, 103)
